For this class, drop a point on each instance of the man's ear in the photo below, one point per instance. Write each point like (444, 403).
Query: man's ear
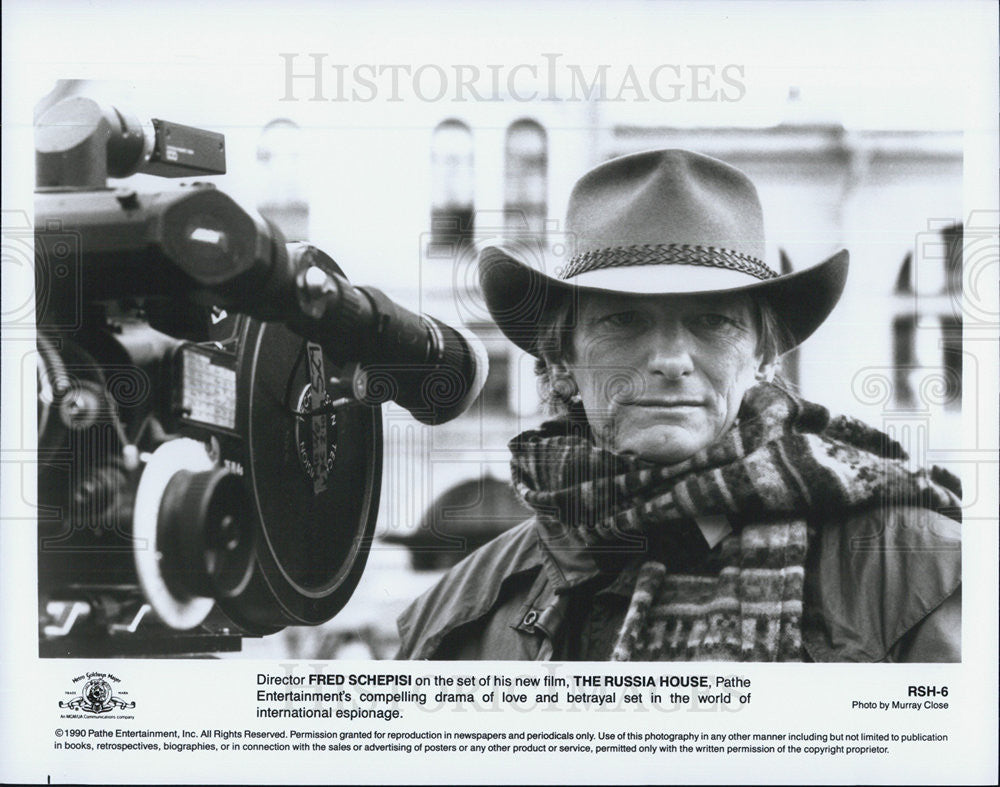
(563, 384)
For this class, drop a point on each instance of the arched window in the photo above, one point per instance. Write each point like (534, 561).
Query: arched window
(452, 183)
(282, 201)
(927, 332)
(526, 163)
(951, 320)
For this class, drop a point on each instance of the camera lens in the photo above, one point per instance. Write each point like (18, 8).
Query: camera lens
(205, 534)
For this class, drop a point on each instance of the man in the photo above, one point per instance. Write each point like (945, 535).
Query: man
(687, 506)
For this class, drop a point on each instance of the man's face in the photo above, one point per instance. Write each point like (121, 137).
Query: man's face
(662, 377)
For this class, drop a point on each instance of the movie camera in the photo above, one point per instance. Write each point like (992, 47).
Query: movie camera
(209, 424)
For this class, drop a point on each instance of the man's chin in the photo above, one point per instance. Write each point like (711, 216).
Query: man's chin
(662, 443)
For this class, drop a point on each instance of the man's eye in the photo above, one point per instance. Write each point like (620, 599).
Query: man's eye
(620, 319)
(715, 321)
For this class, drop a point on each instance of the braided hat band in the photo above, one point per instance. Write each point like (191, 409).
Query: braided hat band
(666, 254)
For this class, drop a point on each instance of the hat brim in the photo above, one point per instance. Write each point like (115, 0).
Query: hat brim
(519, 296)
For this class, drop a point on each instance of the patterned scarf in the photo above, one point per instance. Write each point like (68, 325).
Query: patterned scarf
(784, 459)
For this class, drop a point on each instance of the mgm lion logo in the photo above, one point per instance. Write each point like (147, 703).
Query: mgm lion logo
(96, 697)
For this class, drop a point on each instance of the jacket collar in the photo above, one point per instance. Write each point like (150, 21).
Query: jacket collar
(567, 565)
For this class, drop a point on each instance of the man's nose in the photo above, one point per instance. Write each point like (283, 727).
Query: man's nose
(669, 351)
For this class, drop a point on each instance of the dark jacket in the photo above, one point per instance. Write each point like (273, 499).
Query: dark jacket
(882, 585)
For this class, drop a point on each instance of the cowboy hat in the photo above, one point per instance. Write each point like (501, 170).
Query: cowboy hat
(657, 223)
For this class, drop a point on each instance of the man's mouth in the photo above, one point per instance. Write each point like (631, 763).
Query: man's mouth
(655, 402)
